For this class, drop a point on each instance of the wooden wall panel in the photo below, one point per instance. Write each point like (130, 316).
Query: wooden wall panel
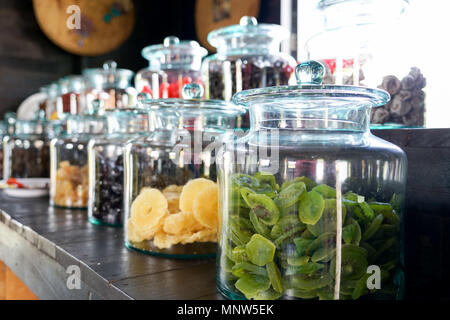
(11, 287)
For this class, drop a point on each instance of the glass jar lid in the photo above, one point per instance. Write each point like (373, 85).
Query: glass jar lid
(174, 54)
(311, 93)
(249, 33)
(128, 121)
(109, 76)
(71, 84)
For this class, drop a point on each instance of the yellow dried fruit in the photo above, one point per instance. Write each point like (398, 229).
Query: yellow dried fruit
(181, 222)
(205, 207)
(190, 190)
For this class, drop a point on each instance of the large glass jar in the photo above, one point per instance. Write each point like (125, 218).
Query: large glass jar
(70, 92)
(367, 42)
(69, 159)
(311, 202)
(26, 151)
(171, 65)
(106, 167)
(170, 192)
(248, 56)
(110, 85)
(3, 133)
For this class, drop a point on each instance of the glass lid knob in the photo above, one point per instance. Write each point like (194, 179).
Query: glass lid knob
(170, 41)
(248, 21)
(110, 65)
(193, 91)
(310, 72)
(97, 104)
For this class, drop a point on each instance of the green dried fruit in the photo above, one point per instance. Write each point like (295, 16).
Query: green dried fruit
(304, 294)
(311, 208)
(324, 254)
(266, 295)
(351, 234)
(326, 191)
(260, 250)
(239, 254)
(243, 268)
(288, 235)
(267, 178)
(302, 244)
(274, 276)
(353, 262)
(373, 227)
(290, 195)
(328, 221)
(263, 207)
(324, 240)
(258, 226)
(361, 287)
(309, 268)
(298, 261)
(251, 284)
(367, 210)
(308, 182)
(284, 225)
(311, 283)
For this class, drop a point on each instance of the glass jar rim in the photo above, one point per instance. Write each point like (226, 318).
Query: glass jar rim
(250, 30)
(312, 92)
(193, 105)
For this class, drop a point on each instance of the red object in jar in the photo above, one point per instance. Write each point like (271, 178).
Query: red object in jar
(346, 63)
(164, 90)
(147, 89)
(174, 91)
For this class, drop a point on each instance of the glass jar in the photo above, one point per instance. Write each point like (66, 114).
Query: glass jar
(110, 85)
(69, 91)
(50, 102)
(10, 119)
(171, 65)
(248, 56)
(369, 43)
(26, 151)
(3, 133)
(170, 188)
(106, 168)
(311, 201)
(69, 159)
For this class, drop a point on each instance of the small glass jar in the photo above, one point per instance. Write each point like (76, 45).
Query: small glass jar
(10, 119)
(69, 159)
(106, 168)
(70, 89)
(110, 85)
(248, 56)
(172, 65)
(311, 202)
(26, 151)
(170, 189)
(50, 103)
(3, 133)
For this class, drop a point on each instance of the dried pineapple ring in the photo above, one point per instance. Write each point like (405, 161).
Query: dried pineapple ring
(132, 235)
(173, 188)
(205, 207)
(163, 240)
(205, 235)
(173, 202)
(181, 222)
(147, 211)
(190, 190)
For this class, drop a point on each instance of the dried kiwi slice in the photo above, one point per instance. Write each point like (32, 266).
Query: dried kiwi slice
(303, 294)
(283, 225)
(251, 284)
(274, 276)
(260, 250)
(373, 227)
(326, 191)
(310, 283)
(324, 240)
(267, 178)
(361, 287)
(263, 207)
(239, 254)
(351, 234)
(266, 295)
(311, 208)
(258, 226)
(353, 262)
(309, 268)
(243, 268)
(324, 254)
(308, 182)
(327, 223)
(290, 195)
(302, 244)
(297, 261)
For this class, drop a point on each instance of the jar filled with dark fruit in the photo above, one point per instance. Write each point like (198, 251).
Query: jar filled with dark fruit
(248, 56)
(26, 151)
(69, 186)
(170, 176)
(70, 89)
(171, 65)
(110, 85)
(311, 202)
(3, 133)
(106, 168)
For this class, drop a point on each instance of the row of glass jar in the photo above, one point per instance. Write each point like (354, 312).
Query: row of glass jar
(247, 57)
(307, 204)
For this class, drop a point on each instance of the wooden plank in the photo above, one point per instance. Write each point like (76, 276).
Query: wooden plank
(2, 281)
